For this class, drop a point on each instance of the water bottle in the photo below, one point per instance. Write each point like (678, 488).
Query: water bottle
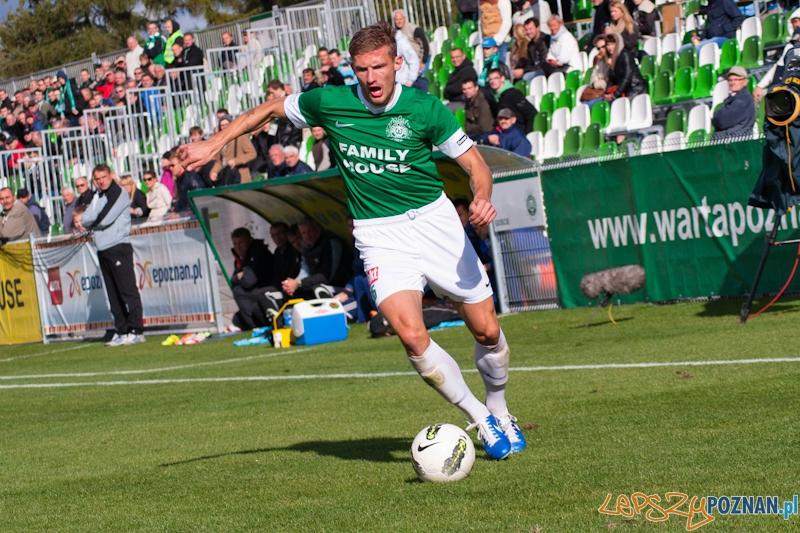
(287, 318)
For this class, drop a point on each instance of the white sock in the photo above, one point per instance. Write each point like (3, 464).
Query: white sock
(492, 363)
(440, 371)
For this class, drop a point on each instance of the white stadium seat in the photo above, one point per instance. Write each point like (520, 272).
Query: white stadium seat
(620, 115)
(650, 144)
(699, 119)
(537, 144)
(721, 92)
(652, 47)
(641, 112)
(556, 83)
(581, 116)
(560, 120)
(537, 88)
(674, 141)
(553, 144)
(671, 42)
(750, 27)
(709, 55)
(541, 10)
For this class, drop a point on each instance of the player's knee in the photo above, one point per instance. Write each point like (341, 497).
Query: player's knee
(488, 334)
(415, 340)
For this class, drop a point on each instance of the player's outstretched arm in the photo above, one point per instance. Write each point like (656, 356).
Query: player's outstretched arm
(480, 180)
(195, 155)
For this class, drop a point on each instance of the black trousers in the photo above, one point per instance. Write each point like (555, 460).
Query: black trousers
(253, 305)
(116, 264)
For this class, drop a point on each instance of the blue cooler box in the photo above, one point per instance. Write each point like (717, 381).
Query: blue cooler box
(319, 321)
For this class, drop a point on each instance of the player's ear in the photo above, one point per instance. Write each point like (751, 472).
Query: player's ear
(398, 62)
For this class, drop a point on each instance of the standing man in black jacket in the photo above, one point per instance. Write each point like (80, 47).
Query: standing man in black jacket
(464, 71)
(192, 55)
(250, 279)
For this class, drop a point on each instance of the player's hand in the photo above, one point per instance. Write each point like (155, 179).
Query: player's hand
(195, 155)
(482, 212)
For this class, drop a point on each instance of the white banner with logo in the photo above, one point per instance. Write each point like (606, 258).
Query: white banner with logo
(174, 275)
(518, 204)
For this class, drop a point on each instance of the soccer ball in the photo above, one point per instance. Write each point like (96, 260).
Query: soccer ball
(442, 452)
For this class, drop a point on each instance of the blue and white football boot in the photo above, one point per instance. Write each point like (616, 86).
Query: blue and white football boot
(508, 424)
(495, 442)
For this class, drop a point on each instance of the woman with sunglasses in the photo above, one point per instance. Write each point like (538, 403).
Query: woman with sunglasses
(159, 199)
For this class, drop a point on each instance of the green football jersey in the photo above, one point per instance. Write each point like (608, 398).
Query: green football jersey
(384, 154)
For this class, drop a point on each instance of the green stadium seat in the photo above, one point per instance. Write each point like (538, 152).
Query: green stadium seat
(572, 140)
(460, 117)
(585, 41)
(601, 114)
(785, 25)
(548, 103)
(623, 147)
(437, 62)
(705, 81)
(430, 75)
(752, 53)
(752, 82)
(541, 122)
(687, 37)
(454, 32)
(648, 66)
(729, 56)
(693, 6)
(663, 87)
(573, 80)
(761, 114)
(771, 33)
(697, 138)
(587, 77)
(684, 85)
(650, 85)
(467, 27)
(676, 121)
(566, 99)
(591, 140)
(442, 74)
(582, 9)
(446, 47)
(669, 63)
(438, 88)
(607, 149)
(688, 58)
(522, 86)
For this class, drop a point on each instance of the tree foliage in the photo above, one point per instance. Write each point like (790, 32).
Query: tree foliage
(43, 34)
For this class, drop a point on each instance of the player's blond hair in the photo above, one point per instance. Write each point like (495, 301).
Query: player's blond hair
(372, 37)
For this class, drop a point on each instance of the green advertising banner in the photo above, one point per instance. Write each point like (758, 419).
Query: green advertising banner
(681, 215)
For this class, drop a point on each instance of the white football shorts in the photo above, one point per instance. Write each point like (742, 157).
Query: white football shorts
(426, 245)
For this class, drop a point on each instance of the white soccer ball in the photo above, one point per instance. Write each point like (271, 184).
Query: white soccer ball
(442, 452)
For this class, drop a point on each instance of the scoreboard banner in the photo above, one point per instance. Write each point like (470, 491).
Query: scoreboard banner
(19, 309)
(175, 278)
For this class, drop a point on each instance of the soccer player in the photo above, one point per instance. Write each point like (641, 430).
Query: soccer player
(407, 231)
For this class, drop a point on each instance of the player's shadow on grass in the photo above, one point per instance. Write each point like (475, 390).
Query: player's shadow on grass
(378, 450)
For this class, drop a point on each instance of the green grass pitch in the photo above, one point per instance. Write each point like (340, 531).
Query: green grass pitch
(151, 438)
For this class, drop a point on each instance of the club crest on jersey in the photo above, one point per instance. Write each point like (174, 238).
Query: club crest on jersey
(399, 129)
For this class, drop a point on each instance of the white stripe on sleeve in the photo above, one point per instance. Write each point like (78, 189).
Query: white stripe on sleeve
(291, 106)
(457, 144)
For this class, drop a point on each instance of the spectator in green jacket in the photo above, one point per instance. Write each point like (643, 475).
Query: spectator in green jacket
(155, 45)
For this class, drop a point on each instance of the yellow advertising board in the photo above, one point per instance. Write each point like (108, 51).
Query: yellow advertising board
(19, 307)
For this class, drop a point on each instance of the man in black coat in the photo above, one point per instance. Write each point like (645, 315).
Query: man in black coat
(309, 80)
(507, 97)
(250, 279)
(286, 259)
(737, 114)
(602, 17)
(464, 71)
(192, 55)
(531, 66)
(185, 181)
(42, 220)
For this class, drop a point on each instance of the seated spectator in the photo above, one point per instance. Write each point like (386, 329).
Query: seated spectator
(234, 158)
(491, 60)
(277, 162)
(507, 136)
(12, 126)
(137, 76)
(179, 81)
(186, 180)
(625, 78)
(135, 51)
(85, 192)
(138, 207)
(342, 66)
(409, 69)
(321, 149)
(192, 55)
(464, 70)
(328, 260)
(159, 76)
(252, 275)
(564, 53)
(416, 37)
(281, 130)
(70, 203)
(286, 258)
(737, 114)
(599, 80)
(507, 97)
(228, 58)
(519, 50)
(723, 18)
(167, 176)
(42, 220)
(17, 221)
(118, 96)
(159, 200)
(86, 79)
(32, 122)
(196, 135)
(478, 117)
(309, 80)
(496, 22)
(536, 57)
(645, 15)
(293, 164)
(622, 23)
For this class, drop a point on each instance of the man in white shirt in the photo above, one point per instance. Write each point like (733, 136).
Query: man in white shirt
(132, 57)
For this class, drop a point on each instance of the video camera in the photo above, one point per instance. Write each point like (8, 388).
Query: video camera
(782, 103)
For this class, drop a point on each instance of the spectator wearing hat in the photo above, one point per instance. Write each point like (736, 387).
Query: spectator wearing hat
(507, 135)
(492, 60)
(71, 98)
(42, 220)
(737, 114)
(173, 29)
(234, 157)
(16, 222)
(496, 22)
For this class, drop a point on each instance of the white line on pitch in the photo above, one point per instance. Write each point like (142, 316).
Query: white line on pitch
(151, 370)
(44, 353)
(394, 374)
